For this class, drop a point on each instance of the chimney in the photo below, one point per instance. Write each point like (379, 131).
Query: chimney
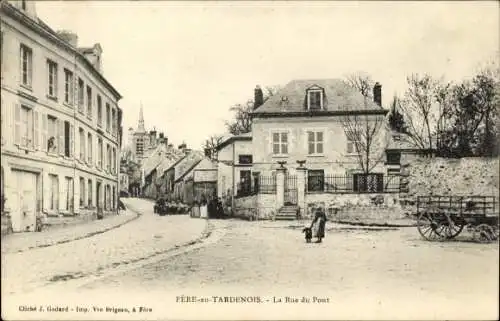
(377, 94)
(69, 37)
(258, 98)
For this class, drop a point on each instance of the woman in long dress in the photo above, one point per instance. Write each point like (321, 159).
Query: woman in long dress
(318, 225)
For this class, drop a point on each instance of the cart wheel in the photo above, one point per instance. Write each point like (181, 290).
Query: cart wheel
(484, 233)
(429, 228)
(451, 232)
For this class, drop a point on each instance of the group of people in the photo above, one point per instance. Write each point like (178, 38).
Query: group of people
(212, 207)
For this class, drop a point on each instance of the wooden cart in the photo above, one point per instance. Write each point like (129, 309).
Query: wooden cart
(445, 217)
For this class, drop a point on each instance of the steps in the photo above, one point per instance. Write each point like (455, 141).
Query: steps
(287, 212)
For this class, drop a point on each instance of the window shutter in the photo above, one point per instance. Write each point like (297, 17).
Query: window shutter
(17, 124)
(60, 139)
(36, 130)
(44, 132)
(4, 121)
(71, 140)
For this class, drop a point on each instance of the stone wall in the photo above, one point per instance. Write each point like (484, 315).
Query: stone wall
(355, 206)
(443, 176)
(245, 207)
(255, 207)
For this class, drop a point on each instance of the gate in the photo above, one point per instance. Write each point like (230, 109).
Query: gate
(290, 190)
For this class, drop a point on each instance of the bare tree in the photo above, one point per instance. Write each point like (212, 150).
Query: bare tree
(362, 82)
(369, 136)
(210, 144)
(242, 122)
(367, 132)
(424, 106)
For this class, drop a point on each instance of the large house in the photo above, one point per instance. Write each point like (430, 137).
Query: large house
(61, 124)
(308, 139)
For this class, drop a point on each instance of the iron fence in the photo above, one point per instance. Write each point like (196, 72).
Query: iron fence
(260, 185)
(356, 183)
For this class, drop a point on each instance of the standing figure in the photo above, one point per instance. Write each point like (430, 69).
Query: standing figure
(318, 225)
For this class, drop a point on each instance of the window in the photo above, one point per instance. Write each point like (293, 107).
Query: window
(89, 191)
(54, 192)
(23, 4)
(82, 192)
(368, 183)
(108, 156)
(26, 66)
(68, 138)
(113, 122)
(69, 194)
(245, 159)
(68, 87)
(280, 143)
(81, 95)
(113, 161)
(81, 133)
(52, 134)
(52, 73)
(315, 142)
(315, 99)
(99, 111)
(315, 180)
(108, 117)
(393, 157)
(99, 152)
(24, 127)
(89, 102)
(89, 149)
(351, 146)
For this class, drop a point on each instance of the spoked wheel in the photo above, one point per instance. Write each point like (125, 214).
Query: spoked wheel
(484, 233)
(452, 228)
(430, 228)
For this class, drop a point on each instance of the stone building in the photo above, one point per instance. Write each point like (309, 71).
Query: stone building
(143, 142)
(61, 123)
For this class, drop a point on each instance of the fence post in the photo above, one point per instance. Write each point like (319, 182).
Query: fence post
(301, 190)
(280, 187)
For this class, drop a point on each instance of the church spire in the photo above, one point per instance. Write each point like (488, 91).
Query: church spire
(140, 127)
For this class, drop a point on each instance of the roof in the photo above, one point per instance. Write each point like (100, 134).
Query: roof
(232, 138)
(186, 164)
(45, 31)
(159, 155)
(339, 98)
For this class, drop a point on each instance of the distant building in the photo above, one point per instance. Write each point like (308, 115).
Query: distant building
(142, 142)
(61, 124)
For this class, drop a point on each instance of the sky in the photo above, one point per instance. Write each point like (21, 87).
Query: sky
(187, 63)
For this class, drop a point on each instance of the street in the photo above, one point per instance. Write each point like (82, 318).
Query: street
(387, 273)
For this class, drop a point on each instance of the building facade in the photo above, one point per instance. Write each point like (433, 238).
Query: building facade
(143, 142)
(61, 123)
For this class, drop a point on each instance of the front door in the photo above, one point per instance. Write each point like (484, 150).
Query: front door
(24, 201)
(245, 182)
(290, 190)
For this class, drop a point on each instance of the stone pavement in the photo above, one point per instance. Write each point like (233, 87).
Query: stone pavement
(20, 242)
(384, 273)
(147, 236)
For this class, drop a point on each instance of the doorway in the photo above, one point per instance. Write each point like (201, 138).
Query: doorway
(24, 202)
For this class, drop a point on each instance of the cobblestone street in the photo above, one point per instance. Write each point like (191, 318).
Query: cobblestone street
(356, 272)
(383, 269)
(144, 237)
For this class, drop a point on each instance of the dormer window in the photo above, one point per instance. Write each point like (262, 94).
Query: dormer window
(315, 98)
